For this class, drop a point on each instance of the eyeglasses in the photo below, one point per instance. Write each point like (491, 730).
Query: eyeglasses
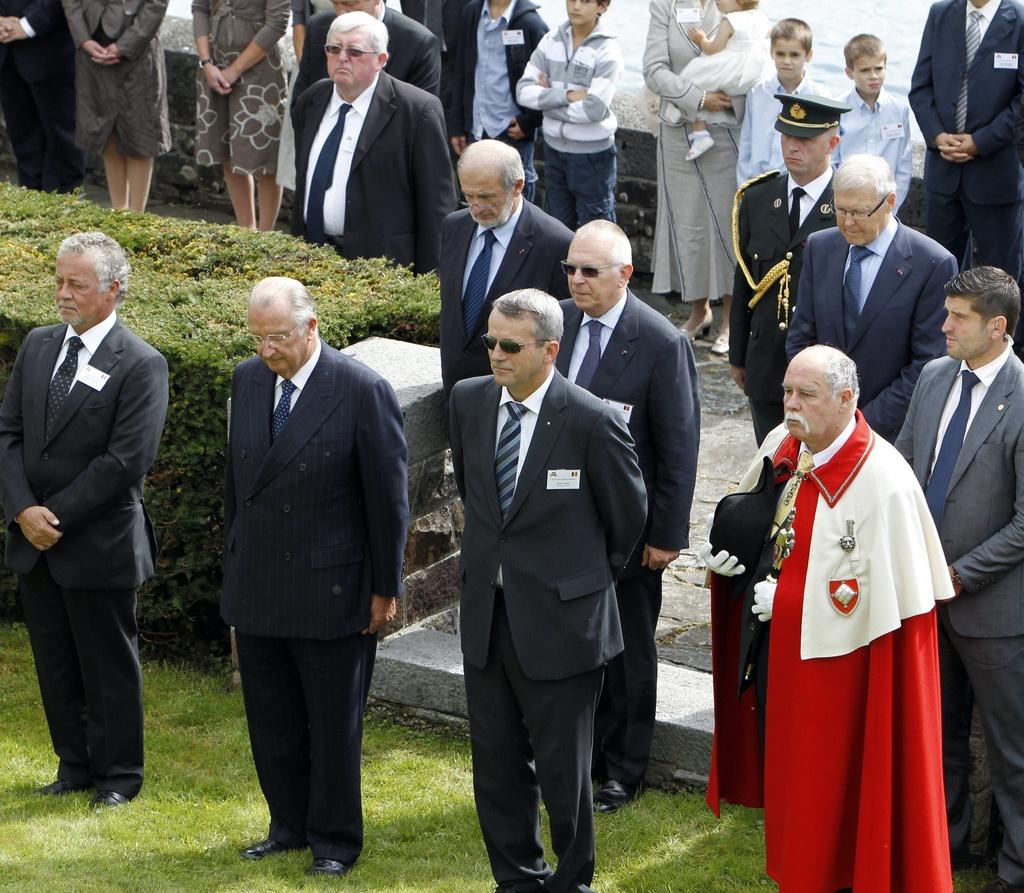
(858, 215)
(352, 52)
(509, 345)
(274, 339)
(589, 272)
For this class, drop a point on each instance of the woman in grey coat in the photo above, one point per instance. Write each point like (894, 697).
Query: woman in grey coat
(693, 243)
(121, 91)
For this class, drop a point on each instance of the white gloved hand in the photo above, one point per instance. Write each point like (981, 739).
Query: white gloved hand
(764, 599)
(723, 564)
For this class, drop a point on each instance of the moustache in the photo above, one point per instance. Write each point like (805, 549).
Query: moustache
(799, 419)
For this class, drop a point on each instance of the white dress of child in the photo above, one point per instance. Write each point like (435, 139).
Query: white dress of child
(745, 61)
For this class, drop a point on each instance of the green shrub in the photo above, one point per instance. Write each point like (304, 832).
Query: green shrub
(186, 297)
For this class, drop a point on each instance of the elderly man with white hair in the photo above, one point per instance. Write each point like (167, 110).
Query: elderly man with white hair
(873, 287)
(832, 720)
(372, 173)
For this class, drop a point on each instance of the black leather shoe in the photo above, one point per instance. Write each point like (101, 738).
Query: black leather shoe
(268, 848)
(328, 868)
(614, 795)
(108, 798)
(60, 787)
(1001, 886)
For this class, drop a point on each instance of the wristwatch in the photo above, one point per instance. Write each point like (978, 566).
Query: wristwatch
(204, 62)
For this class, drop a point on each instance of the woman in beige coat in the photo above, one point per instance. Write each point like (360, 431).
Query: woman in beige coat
(121, 91)
(693, 243)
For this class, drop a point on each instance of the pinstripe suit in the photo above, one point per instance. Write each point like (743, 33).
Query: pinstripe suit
(315, 521)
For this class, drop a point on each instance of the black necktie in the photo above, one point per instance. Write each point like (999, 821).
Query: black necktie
(591, 359)
(794, 210)
(60, 384)
(323, 175)
(284, 406)
(949, 451)
(476, 285)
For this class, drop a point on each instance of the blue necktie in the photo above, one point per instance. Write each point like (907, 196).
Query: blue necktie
(585, 374)
(949, 451)
(284, 406)
(853, 300)
(506, 457)
(323, 175)
(476, 285)
(60, 384)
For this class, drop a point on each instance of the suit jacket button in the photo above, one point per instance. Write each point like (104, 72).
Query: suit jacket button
(287, 556)
(750, 626)
(46, 457)
(302, 466)
(248, 502)
(241, 453)
(286, 508)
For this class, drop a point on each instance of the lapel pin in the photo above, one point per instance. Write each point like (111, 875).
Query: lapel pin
(1000, 407)
(826, 208)
(899, 271)
(777, 203)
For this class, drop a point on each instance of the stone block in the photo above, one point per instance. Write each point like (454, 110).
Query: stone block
(433, 589)
(435, 485)
(421, 669)
(430, 540)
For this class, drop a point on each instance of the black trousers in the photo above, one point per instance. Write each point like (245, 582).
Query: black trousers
(952, 219)
(40, 121)
(304, 702)
(531, 739)
(624, 725)
(86, 648)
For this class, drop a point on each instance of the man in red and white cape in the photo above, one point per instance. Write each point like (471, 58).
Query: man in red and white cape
(851, 772)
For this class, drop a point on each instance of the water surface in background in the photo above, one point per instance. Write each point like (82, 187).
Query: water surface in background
(834, 22)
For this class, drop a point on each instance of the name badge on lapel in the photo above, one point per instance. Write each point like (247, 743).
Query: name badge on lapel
(563, 479)
(1005, 60)
(687, 15)
(625, 408)
(513, 38)
(91, 376)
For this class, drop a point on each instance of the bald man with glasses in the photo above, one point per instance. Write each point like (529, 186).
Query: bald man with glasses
(874, 288)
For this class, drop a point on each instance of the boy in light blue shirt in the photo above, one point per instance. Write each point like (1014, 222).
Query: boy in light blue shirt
(760, 148)
(878, 122)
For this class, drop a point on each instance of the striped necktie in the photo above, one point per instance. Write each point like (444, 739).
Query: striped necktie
(506, 458)
(973, 42)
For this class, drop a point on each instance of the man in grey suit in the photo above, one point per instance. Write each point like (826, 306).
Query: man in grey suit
(315, 520)
(554, 505)
(964, 437)
(499, 243)
(79, 428)
(631, 357)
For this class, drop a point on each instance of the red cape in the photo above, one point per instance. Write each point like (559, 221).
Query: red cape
(851, 778)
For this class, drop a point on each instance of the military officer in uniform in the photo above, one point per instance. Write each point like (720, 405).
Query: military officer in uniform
(773, 214)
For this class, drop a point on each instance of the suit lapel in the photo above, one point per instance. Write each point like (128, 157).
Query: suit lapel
(832, 292)
(931, 415)
(893, 272)
(107, 356)
(382, 109)
(780, 212)
(486, 442)
(465, 240)
(316, 400)
(619, 349)
(310, 125)
(569, 335)
(515, 255)
(545, 434)
(41, 373)
(1001, 26)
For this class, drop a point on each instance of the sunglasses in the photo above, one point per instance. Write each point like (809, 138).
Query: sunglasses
(352, 52)
(508, 345)
(589, 272)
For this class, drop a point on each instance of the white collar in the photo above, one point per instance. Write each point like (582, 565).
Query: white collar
(93, 336)
(816, 187)
(504, 232)
(611, 316)
(300, 378)
(988, 10)
(991, 369)
(361, 103)
(534, 401)
(830, 451)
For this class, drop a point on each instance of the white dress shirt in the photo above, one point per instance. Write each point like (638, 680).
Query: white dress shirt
(988, 12)
(986, 375)
(502, 236)
(299, 379)
(334, 199)
(830, 451)
(812, 193)
(90, 344)
(872, 263)
(607, 323)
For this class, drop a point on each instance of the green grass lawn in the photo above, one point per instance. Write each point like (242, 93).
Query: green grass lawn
(201, 804)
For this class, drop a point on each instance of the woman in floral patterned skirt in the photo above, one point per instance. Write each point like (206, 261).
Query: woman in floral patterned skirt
(241, 99)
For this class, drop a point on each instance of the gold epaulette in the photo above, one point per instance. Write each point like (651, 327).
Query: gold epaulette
(778, 273)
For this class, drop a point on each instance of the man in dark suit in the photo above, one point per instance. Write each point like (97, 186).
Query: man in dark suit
(873, 288)
(497, 244)
(371, 160)
(442, 18)
(37, 94)
(537, 458)
(79, 428)
(965, 92)
(414, 54)
(776, 215)
(964, 437)
(631, 357)
(315, 520)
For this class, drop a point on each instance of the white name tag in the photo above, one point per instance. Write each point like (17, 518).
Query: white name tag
(892, 131)
(585, 56)
(563, 479)
(348, 144)
(687, 15)
(92, 377)
(1005, 60)
(625, 408)
(513, 38)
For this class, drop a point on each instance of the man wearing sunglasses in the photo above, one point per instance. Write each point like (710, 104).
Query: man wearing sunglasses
(372, 176)
(631, 357)
(554, 504)
(874, 288)
(498, 243)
